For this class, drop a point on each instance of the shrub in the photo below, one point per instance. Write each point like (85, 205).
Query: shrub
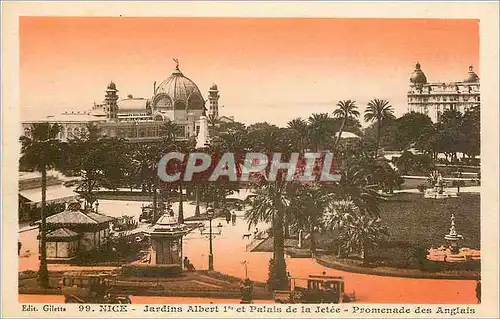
(27, 274)
(421, 188)
(145, 270)
(420, 254)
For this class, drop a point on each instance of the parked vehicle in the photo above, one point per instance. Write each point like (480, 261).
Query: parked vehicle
(318, 289)
(90, 287)
(124, 223)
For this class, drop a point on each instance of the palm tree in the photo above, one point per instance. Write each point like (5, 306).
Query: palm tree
(319, 129)
(364, 233)
(170, 130)
(378, 110)
(307, 208)
(299, 127)
(40, 150)
(337, 218)
(269, 205)
(346, 109)
(357, 231)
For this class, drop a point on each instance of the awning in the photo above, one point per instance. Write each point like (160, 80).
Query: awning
(55, 195)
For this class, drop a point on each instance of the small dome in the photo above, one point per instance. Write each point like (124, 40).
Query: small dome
(472, 78)
(214, 87)
(418, 76)
(112, 86)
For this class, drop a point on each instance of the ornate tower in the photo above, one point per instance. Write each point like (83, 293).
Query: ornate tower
(110, 99)
(213, 98)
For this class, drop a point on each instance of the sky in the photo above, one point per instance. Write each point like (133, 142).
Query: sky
(267, 69)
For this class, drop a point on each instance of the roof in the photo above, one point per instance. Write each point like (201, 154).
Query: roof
(346, 134)
(180, 88)
(167, 226)
(132, 104)
(76, 217)
(55, 194)
(62, 233)
(418, 76)
(67, 117)
(472, 76)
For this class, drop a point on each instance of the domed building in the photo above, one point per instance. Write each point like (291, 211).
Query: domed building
(177, 99)
(433, 98)
(418, 77)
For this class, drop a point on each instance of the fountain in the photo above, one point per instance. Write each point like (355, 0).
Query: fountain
(438, 191)
(453, 253)
(453, 237)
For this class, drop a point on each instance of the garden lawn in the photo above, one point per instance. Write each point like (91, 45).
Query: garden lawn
(414, 222)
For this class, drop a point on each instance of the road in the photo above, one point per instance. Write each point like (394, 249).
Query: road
(230, 254)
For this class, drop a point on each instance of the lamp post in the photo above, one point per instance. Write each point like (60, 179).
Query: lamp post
(210, 215)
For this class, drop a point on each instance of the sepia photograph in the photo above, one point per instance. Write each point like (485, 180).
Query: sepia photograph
(209, 165)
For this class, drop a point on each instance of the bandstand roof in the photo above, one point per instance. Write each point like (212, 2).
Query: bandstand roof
(77, 217)
(62, 233)
(55, 194)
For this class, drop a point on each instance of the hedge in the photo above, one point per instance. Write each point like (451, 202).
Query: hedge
(147, 270)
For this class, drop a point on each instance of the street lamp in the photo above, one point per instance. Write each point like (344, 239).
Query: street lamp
(210, 215)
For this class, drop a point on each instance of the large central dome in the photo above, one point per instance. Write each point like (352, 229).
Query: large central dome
(178, 92)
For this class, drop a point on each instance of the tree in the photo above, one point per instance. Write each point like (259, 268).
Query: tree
(212, 121)
(364, 233)
(357, 231)
(270, 204)
(336, 219)
(299, 129)
(170, 131)
(471, 130)
(320, 130)
(306, 209)
(449, 137)
(428, 141)
(346, 109)
(409, 129)
(145, 157)
(100, 161)
(40, 151)
(378, 110)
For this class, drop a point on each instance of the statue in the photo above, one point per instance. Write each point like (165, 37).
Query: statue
(176, 63)
(440, 184)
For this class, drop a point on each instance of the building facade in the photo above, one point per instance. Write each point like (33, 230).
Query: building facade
(433, 98)
(177, 99)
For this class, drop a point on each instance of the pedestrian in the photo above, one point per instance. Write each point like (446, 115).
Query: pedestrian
(233, 218)
(478, 291)
(186, 263)
(19, 245)
(228, 216)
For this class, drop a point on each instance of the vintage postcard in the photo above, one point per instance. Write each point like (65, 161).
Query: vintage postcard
(223, 159)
